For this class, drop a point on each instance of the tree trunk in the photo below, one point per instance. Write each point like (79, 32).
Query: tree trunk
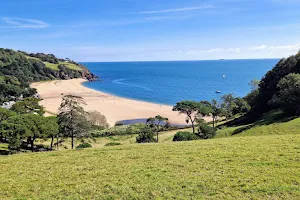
(31, 143)
(52, 139)
(157, 136)
(192, 124)
(57, 142)
(213, 121)
(72, 136)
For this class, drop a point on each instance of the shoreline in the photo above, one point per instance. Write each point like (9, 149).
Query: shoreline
(114, 108)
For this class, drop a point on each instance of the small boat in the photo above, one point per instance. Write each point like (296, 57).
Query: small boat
(218, 91)
(224, 76)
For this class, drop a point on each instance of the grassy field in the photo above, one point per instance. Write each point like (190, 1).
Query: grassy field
(69, 65)
(55, 66)
(264, 167)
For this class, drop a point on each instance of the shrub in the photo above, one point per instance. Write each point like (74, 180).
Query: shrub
(119, 130)
(185, 136)
(84, 146)
(288, 96)
(146, 136)
(206, 132)
(113, 144)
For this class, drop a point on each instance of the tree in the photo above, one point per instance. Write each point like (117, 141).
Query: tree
(156, 122)
(254, 84)
(228, 105)
(205, 131)
(26, 127)
(288, 96)
(72, 118)
(204, 109)
(189, 108)
(97, 119)
(51, 129)
(216, 111)
(27, 106)
(232, 106)
(4, 115)
(146, 136)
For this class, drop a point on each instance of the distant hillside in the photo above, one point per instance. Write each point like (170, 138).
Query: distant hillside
(18, 69)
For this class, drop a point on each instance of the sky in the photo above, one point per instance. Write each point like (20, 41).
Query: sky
(152, 30)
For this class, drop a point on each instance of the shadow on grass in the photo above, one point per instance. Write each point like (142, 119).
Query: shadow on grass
(271, 117)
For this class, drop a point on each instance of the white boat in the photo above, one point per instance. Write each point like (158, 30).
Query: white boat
(218, 91)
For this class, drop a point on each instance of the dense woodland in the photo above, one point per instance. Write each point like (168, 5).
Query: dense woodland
(18, 69)
(23, 124)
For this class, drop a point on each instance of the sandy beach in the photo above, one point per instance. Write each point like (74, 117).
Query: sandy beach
(113, 107)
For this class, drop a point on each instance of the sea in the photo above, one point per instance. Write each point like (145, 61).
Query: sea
(169, 82)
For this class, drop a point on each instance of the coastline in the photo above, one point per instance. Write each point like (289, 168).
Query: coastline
(114, 108)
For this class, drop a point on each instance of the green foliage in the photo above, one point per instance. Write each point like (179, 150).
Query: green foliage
(190, 109)
(268, 85)
(113, 144)
(84, 146)
(185, 136)
(72, 119)
(232, 106)
(28, 105)
(27, 127)
(146, 136)
(205, 131)
(5, 114)
(119, 130)
(288, 96)
(251, 97)
(156, 124)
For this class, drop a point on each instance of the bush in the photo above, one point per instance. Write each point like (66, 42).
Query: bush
(84, 146)
(113, 144)
(146, 136)
(119, 130)
(206, 132)
(185, 136)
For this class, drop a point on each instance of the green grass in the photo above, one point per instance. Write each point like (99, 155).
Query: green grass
(265, 167)
(273, 123)
(55, 66)
(3, 146)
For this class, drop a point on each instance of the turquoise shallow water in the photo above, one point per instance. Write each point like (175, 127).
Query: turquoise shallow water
(171, 82)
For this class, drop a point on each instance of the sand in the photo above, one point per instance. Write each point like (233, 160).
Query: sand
(113, 107)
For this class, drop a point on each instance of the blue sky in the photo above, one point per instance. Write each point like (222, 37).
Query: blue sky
(139, 30)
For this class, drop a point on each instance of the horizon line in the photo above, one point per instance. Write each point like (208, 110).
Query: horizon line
(179, 60)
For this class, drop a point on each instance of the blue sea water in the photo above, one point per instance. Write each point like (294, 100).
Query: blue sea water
(171, 82)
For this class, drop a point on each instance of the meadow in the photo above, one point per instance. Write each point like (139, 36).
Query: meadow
(55, 66)
(228, 168)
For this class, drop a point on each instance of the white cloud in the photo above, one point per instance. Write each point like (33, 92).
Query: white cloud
(260, 47)
(273, 48)
(236, 50)
(10, 22)
(177, 10)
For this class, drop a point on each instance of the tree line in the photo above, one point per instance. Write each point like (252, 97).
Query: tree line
(24, 123)
(227, 108)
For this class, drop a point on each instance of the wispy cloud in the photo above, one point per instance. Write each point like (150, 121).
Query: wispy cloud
(11, 22)
(177, 10)
(295, 47)
(237, 50)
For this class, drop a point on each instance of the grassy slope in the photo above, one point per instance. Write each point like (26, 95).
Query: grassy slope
(55, 66)
(236, 168)
(272, 123)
